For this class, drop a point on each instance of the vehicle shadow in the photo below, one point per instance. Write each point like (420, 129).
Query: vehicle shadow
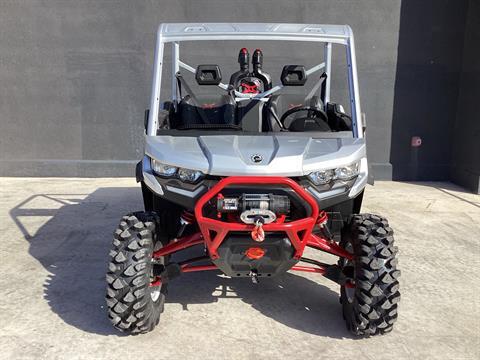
(290, 299)
(73, 247)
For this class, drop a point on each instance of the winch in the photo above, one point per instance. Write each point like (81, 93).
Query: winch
(254, 206)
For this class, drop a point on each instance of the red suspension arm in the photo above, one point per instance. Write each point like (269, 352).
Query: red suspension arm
(179, 244)
(331, 247)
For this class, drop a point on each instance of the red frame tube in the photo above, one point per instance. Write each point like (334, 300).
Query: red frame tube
(190, 268)
(318, 269)
(179, 244)
(331, 247)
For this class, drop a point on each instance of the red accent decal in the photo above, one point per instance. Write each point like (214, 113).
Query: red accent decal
(249, 89)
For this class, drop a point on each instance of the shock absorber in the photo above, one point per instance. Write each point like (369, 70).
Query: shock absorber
(186, 218)
(322, 222)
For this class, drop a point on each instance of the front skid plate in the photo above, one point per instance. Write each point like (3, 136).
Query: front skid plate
(233, 260)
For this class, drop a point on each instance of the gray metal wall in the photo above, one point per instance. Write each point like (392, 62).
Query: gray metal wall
(76, 76)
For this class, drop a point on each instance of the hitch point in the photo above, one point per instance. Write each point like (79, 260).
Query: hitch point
(254, 276)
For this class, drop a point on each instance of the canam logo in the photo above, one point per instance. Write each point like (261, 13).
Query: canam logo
(256, 158)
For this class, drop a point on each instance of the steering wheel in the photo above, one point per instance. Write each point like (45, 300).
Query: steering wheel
(319, 114)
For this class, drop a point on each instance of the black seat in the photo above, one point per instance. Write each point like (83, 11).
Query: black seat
(279, 104)
(208, 111)
(337, 119)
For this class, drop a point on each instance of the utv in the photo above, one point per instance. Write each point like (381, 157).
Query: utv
(250, 177)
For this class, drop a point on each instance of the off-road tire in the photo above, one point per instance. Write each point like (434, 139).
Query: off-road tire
(370, 308)
(131, 307)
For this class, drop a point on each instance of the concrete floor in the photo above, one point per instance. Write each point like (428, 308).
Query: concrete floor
(54, 240)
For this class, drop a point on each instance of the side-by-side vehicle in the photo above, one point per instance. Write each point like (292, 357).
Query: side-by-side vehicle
(248, 175)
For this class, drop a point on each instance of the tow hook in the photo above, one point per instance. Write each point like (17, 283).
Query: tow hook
(254, 276)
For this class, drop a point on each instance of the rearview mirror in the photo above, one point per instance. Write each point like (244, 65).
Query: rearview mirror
(208, 75)
(293, 75)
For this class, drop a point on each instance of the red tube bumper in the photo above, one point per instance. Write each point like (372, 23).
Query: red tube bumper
(298, 231)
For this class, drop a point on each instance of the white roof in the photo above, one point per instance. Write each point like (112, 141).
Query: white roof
(254, 31)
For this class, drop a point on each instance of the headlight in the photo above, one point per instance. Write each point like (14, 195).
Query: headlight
(185, 175)
(321, 177)
(343, 173)
(346, 172)
(163, 169)
(191, 176)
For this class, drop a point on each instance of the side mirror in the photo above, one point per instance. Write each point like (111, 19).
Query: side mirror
(208, 75)
(364, 122)
(293, 75)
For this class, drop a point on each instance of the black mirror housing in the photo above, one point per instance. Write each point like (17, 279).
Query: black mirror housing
(293, 75)
(208, 74)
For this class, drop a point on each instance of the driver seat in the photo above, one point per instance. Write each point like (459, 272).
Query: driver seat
(279, 104)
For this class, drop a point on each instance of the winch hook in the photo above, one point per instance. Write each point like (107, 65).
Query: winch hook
(258, 234)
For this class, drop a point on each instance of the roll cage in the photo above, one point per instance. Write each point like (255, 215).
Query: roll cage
(175, 33)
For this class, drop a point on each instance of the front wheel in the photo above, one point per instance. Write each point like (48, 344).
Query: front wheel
(370, 294)
(134, 306)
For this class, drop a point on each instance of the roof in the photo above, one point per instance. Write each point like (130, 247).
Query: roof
(171, 32)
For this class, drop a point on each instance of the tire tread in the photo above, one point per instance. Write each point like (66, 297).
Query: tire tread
(374, 307)
(130, 307)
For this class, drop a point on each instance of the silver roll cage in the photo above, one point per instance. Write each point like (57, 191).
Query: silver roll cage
(175, 33)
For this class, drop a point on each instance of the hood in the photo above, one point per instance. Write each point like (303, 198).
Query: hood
(273, 155)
